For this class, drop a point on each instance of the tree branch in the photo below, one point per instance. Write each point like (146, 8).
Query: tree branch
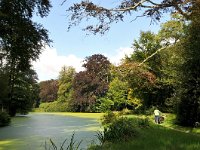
(129, 8)
(140, 64)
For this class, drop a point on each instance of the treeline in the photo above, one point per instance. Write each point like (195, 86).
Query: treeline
(161, 72)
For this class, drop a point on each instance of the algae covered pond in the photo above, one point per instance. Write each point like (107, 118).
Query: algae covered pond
(29, 132)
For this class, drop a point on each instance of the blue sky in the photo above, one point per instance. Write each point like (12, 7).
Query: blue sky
(70, 48)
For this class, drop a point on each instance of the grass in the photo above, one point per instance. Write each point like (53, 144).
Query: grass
(166, 136)
(158, 138)
(170, 123)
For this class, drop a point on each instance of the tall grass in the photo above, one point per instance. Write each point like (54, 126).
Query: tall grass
(73, 144)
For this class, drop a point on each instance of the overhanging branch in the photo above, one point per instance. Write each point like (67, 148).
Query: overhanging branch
(151, 56)
(129, 8)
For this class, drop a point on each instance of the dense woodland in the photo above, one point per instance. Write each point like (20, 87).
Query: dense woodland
(163, 71)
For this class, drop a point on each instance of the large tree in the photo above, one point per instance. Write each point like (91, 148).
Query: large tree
(92, 83)
(21, 39)
(189, 91)
(66, 77)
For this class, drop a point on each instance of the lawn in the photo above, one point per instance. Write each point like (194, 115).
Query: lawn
(166, 136)
(158, 138)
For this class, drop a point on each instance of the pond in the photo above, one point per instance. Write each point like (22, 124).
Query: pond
(29, 132)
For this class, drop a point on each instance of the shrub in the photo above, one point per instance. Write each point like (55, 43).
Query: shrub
(141, 122)
(126, 111)
(4, 119)
(108, 118)
(55, 106)
(120, 129)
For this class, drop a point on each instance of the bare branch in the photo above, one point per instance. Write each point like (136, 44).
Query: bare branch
(63, 2)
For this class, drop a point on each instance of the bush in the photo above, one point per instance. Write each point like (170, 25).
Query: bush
(126, 111)
(121, 129)
(4, 119)
(141, 122)
(108, 118)
(54, 107)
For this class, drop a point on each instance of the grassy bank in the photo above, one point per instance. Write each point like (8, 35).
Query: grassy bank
(166, 136)
(158, 138)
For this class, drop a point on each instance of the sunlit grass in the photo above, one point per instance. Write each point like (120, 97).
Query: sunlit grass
(170, 123)
(166, 136)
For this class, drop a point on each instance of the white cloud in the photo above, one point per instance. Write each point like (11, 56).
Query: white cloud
(50, 63)
(120, 54)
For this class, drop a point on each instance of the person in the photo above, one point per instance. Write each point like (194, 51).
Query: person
(157, 115)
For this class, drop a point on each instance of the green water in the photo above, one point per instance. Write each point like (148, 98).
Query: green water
(30, 132)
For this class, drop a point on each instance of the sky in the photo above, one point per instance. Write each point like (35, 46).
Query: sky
(70, 48)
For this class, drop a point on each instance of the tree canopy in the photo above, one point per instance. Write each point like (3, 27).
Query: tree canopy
(21, 41)
(87, 9)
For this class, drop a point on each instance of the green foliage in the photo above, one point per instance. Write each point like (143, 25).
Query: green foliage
(104, 104)
(24, 93)
(115, 98)
(121, 129)
(126, 111)
(4, 88)
(21, 42)
(189, 91)
(117, 92)
(4, 119)
(66, 77)
(108, 118)
(147, 44)
(72, 145)
(55, 106)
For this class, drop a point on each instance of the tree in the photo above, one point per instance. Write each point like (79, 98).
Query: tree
(3, 88)
(86, 9)
(25, 92)
(48, 90)
(147, 44)
(139, 79)
(189, 91)
(92, 83)
(21, 39)
(66, 77)
(117, 93)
